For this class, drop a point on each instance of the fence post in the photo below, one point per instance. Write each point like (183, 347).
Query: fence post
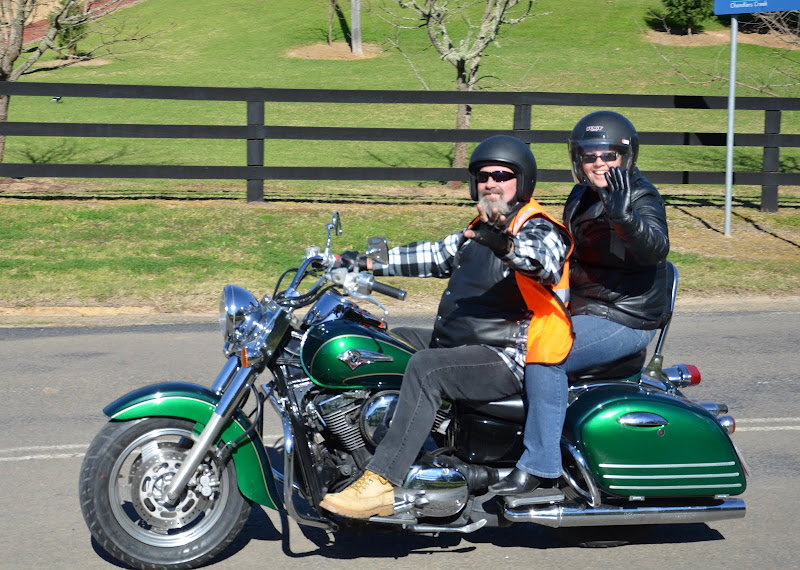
(255, 150)
(771, 161)
(522, 117)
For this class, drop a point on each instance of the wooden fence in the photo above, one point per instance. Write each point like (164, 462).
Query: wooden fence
(256, 132)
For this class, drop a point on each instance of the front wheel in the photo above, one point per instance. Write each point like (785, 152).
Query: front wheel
(122, 486)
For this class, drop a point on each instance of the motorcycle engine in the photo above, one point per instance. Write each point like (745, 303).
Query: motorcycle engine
(359, 418)
(341, 414)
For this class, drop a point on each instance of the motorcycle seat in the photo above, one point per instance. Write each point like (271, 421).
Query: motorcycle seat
(512, 408)
(617, 370)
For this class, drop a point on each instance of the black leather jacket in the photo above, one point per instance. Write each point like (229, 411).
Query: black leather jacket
(618, 269)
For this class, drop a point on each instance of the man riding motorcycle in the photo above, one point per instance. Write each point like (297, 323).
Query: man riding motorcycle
(504, 305)
(169, 480)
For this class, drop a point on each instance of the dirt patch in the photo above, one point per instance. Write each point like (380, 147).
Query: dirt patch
(336, 51)
(720, 37)
(72, 63)
(38, 317)
(35, 317)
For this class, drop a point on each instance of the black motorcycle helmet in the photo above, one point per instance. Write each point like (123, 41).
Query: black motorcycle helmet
(602, 131)
(506, 151)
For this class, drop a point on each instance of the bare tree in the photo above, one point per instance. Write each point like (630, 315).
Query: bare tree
(784, 74)
(778, 76)
(17, 59)
(441, 18)
(785, 24)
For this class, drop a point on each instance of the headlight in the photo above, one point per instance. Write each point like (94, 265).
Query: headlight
(250, 326)
(238, 311)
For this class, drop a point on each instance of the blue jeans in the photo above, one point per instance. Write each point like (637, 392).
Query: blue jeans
(597, 341)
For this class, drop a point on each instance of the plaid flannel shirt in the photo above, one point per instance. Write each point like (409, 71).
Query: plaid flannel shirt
(538, 252)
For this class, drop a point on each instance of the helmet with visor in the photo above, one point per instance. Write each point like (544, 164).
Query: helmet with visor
(599, 133)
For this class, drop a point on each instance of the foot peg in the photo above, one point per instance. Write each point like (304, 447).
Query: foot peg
(536, 497)
(409, 501)
(401, 515)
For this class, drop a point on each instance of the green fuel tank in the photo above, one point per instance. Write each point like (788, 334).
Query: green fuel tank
(349, 354)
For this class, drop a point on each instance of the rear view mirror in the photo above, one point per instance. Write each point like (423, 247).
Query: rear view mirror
(336, 224)
(378, 250)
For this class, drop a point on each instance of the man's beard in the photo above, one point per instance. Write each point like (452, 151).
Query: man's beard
(487, 204)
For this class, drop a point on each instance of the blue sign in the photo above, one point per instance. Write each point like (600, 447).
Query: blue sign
(750, 6)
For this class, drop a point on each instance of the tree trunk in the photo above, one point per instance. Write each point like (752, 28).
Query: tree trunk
(463, 116)
(4, 101)
(331, 10)
(355, 25)
(460, 148)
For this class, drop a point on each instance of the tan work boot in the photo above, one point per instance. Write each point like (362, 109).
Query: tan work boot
(369, 496)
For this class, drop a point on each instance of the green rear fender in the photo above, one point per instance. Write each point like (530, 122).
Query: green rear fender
(196, 403)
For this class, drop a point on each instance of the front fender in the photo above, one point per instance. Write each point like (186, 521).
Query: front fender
(197, 403)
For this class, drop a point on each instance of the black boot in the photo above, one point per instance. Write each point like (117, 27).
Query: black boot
(516, 483)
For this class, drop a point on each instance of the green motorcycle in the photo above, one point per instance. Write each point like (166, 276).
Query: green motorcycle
(169, 481)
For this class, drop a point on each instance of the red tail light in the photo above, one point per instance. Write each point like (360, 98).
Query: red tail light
(694, 373)
(683, 375)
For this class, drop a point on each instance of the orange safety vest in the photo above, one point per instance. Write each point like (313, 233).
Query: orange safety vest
(550, 332)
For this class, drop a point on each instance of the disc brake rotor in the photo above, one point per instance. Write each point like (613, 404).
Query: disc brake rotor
(149, 480)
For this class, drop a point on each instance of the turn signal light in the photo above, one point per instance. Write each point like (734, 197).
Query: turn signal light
(728, 423)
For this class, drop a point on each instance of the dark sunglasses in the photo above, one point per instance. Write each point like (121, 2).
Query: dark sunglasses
(497, 176)
(604, 156)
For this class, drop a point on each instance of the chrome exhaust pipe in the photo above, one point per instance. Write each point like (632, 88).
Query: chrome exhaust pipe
(557, 516)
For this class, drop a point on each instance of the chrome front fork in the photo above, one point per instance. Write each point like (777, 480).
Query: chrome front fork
(232, 384)
(283, 408)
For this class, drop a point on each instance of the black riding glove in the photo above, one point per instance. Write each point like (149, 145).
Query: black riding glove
(494, 236)
(616, 197)
(352, 260)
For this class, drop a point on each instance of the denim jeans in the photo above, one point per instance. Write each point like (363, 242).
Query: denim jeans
(597, 341)
(474, 373)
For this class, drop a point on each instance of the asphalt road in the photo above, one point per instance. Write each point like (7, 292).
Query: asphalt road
(55, 382)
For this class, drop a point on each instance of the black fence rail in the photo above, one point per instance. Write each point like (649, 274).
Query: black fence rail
(255, 132)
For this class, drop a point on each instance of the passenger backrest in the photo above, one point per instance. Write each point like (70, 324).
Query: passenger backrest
(671, 293)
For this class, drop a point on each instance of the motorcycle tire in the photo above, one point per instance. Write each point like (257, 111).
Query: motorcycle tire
(126, 469)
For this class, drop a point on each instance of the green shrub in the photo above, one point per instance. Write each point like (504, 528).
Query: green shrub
(688, 14)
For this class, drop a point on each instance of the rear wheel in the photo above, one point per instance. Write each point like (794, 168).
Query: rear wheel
(122, 489)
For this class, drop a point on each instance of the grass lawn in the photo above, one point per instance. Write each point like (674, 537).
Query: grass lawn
(172, 245)
(177, 255)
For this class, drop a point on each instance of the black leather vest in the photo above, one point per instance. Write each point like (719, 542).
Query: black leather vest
(480, 305)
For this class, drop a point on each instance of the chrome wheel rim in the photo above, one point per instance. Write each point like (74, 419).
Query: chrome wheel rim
(139, 478)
